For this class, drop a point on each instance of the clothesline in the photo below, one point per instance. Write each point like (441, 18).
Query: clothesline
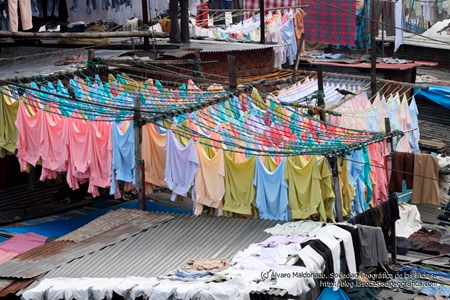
(312, 141)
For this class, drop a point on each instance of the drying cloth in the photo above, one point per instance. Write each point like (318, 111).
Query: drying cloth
(207, 264)
(326, 23)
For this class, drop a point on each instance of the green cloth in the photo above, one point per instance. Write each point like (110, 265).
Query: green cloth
(8, 114)
(240, 193)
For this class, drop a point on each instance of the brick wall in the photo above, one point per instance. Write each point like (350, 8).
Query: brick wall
(249, 63)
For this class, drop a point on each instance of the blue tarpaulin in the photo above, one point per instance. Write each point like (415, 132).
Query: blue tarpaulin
(437, 93)
(62, 227)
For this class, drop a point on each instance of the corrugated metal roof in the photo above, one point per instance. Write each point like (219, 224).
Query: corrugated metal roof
(48, 256)
(168, 246)
(105, 223)
(207, 46)
(44, 63)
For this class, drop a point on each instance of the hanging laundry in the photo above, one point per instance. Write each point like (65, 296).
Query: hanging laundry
(181, 165)
(101, 156)
(8, 115)
(239, 189)
(153, 152)
(271, 191)
(355, 163)
(425, 188)
(326, 186)
(413, 125)
(347, 190)
(325, 23)
(29, 141)
(209, 185)
(402, 169)
(56, 156)
(123, 157)
(305, 196)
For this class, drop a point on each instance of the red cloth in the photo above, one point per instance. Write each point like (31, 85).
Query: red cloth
(331, 22)
(201, 19)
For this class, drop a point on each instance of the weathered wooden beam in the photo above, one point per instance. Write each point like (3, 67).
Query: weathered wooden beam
(77, 35)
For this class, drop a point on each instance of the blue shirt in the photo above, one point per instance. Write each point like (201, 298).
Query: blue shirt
(123, 157)
(271, 192)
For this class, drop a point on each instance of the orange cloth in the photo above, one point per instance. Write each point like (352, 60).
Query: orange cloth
(154, 155)
(165, 25)
(209, 183)
(299, 25)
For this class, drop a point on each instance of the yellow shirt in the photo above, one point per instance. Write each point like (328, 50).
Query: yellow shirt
(240, 192)
(153, 151)
(305, 196)
(326, 186)
(209, 181)
(270, 164)
(347, 190)
(8, 114)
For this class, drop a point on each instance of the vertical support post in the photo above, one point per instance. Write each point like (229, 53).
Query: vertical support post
(393, 241)
(297, 58)
(142, 194)
(90, 60)
(232, 72)
(373, 60)
(262, 22)
(145, 21)
(91, 55)
(382, 40)
(333, 162)
(320, 98)
(368, 28)
(137, 149)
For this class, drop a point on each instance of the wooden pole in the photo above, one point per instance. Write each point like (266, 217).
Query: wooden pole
(297, 57)
(373, 60)
(145, 21)
(320, 98)
(137, 150)
(142, 198)
(262, 22)
(77, 35)
(232, 72)
(90, 60)
(393, 241)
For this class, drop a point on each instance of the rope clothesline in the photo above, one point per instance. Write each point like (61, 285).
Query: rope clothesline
(317, 138)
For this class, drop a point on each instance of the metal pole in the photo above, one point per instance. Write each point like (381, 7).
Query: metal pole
(262, 22)
(137, 150)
